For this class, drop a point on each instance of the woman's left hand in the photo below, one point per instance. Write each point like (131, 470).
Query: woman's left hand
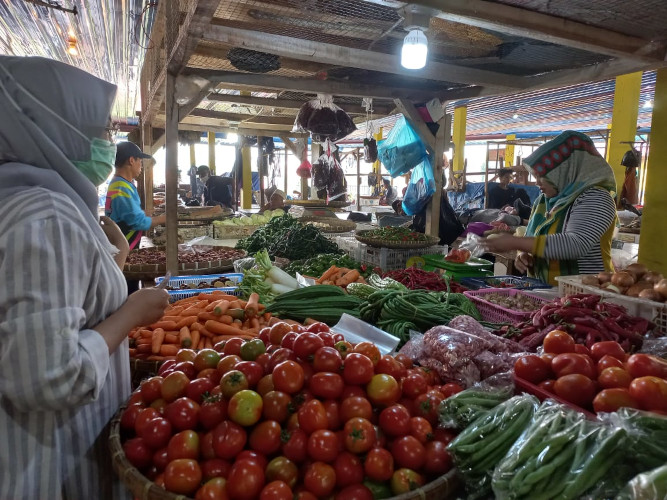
(502, 243)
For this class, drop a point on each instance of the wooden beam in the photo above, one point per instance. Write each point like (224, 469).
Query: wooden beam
(327, 53)
(171, 171)
(353, 109)
(194, 26)
(185, 109)
(547, 28)
(240, 117)
(417, 122)
(441, 145)
(248, 81)
(289, 144)
(242, 131)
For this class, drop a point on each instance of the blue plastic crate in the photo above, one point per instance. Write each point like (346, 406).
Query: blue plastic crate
(511, 282)
(175, 281)
(175, 295)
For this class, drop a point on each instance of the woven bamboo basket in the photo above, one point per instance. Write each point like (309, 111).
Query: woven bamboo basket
(381, 243)
(330, 224)
(141, 369)
(152, 271)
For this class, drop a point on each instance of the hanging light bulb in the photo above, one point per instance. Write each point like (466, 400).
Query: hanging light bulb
(71, 45)
(415, 50)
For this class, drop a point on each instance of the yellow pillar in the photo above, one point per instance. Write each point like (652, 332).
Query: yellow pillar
(193, 158)
(623, 122)
(377, 165)
(246, 201)
(653, 237)
(211, 152)
(459, 137)
(509, 151)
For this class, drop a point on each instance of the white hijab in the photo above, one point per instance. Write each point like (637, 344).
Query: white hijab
(49, 111)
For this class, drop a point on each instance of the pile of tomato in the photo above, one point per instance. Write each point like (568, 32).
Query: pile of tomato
(297, 413)
(603, 378)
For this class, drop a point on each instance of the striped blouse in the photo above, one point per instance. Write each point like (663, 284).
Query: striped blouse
(58, 385)
(590, 217)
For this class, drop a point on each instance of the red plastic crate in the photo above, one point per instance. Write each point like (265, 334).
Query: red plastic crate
(530, 388)
(497, 314)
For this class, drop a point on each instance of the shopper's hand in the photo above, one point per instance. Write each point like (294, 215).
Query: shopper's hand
(146, 306)
(114, 234)
(524, 262)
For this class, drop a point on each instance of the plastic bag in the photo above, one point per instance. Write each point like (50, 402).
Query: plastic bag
(324, 120)
(420, 188)
(370, 150)
(304, 170)
(242, 264)
(320, 174)
(336, 187)
(402, 150)
(651, 485)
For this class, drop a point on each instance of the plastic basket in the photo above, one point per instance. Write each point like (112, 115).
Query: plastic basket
(390, 259)
(175, 295)
(642, 308)
(497, 314)
(349, 245)
(523, 385)
(517, 282)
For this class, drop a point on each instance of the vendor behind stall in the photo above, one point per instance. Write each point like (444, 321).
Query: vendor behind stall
(276, 199)
(572, 223)
(389, 194)
(449, 228)
(502, 194)
(218, 190)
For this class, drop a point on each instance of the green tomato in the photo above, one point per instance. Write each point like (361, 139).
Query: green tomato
(245, 408)
(251, 349)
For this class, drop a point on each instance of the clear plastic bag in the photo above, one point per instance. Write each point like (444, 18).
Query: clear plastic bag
(402, 150)
(324, 120)
(651, 485)
(420, 188)
(474, 244)
(370, 150)
(241, 265)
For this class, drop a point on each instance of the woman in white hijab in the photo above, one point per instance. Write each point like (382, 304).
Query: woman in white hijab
(64, 310)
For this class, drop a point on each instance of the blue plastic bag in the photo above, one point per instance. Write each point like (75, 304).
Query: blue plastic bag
(420, 188)
(402, 150)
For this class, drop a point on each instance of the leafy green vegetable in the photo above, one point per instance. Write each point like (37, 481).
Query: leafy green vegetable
(316, 266)
(396, 234)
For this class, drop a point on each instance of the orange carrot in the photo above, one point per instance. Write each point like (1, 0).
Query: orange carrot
(252, 305)
(184, 336)
(327, 274)
(158, 339)
(186, 321)
(144, 340)
(165, 325)
(145, 334)
(156, 357)
(349, 277)
(204, 316)
(144, 349)
(267, 317)
(170, 338)
(254, 323)
(202, 344)
(218, 328)
(221, 308)
(175, 311)
(195, 338)
(170, 318)
(169, 350)
(208, 344)
(235, 304)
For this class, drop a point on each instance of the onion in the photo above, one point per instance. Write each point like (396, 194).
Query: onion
(611, 288)
(635, 289)
(652, 277)
(650, 295)
(637, 270)
(623, 279)
(605, 276)
(590, 280)
(661, 288)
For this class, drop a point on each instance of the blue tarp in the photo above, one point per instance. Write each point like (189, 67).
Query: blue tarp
(473, 197)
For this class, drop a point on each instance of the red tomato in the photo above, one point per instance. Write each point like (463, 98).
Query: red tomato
(182, 414)
(355, 407)
(227, 364)
(288, 377)
(408, 452)
(233, 346)
(138, 453)
(169, 365)
(151, 389)
(383, 390)
(421, 429)
(650, 392)
(232, 382)
(253, 456)
(252, 370)
(210, 374)
(395, 421)
(215, 467)
(576, 388)
(547, 385)
(184, 444)
(426, 405)
(404, 360)
(582, 349)
(323, 446)
(129, 417)
(307, 368)
(304, 495)
(389, 365)
(318, 327)
(354, 492)
(276, 406)
(245, 481)
(173, 386)
(431, 376)
(206, 445)
(206, 358)
(359, 435)
(265, 385)
(301, 398)
(404, 480)
(264, 336)
(278, 356)
(438, 461)
(349, 469)
(532, 368)
(414, 384)
(614, 377)
(265, 437)
(379, 464)
(370, 350)
(288, 340)
(276, 490)
(343, 347)
(450, 389)
(182, 476)
(143, 418)
(610, 400)
(644, 365)
(320, 479)
(572, 363)
(608, 362)
(264, 361)
(327, 359)
(548, 357)
(357, 369)
(327, 338)
(187, 368)
(350, 391)
(278, 331)
(245, 408)
(214, 489)
(157, 433)
(282, 469)
(306, 345)
(558, 342)
(295, 445)
(312, 416)
(332, 408)
(607, 348)
(228, 440)
(326, 385)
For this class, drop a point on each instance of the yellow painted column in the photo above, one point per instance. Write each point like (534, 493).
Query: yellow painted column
(211, 152)
(509, 151)
(623, 122)
(377, 164)
(246, 200)
(653, 237)
(193, 158)
(459, 137)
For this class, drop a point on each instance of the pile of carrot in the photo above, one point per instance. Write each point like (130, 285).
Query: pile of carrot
(199, 322)
(340, 276)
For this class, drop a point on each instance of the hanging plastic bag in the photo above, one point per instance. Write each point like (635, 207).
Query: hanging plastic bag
(420, 188)
(402, 150)
(370, 150)
(304, 169)
(324, 120)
